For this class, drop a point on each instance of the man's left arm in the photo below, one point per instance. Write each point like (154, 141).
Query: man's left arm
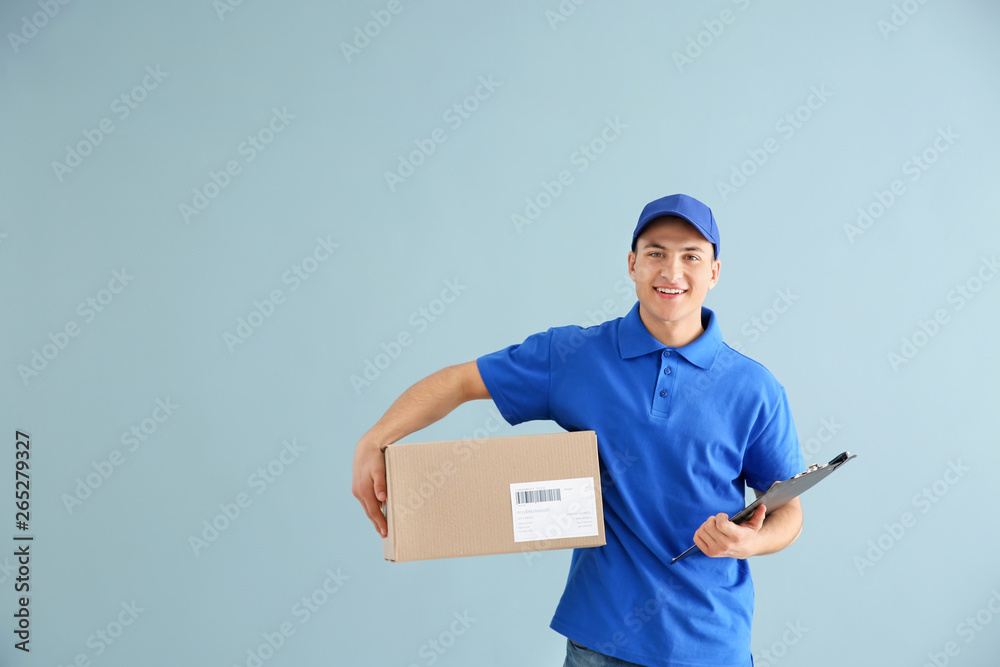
(764, 533)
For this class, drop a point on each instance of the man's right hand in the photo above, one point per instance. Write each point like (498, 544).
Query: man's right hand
(369, 482)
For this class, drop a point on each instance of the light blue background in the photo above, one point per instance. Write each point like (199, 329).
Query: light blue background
(686, 128)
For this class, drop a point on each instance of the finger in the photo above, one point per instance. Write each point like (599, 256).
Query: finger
(378, 483)
(373, 508)
(724, 527)
(365, 493)
(378, 488)
(757, 518)
(707, 536)
(706, 528)
(707, 542)
(380, 523)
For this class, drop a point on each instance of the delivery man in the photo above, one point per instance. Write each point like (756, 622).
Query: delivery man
(700, 423)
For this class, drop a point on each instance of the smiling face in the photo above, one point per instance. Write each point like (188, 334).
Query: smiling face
(673, 267)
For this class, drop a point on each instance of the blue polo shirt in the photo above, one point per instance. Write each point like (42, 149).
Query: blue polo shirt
(681, 433)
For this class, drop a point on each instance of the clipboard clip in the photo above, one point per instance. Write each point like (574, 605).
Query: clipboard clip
(836, 462)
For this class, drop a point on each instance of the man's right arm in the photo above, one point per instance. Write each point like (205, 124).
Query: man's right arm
(419, 406)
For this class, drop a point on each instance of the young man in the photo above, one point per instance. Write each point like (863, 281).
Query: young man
(684, 424)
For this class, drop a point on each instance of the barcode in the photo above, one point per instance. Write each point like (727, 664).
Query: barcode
(540, 496)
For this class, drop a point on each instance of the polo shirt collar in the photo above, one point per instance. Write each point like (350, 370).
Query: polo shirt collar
(634, 339)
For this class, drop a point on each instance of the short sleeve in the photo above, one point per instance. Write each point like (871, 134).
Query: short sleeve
(773, 453)
(518, 378)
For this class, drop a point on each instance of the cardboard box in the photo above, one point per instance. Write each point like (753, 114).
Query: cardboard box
(512, 494)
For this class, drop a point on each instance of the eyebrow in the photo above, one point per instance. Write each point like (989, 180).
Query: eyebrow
(690, 248)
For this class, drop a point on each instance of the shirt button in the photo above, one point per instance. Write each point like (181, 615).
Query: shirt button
(666, 371)
(663, 393)
(666, 353)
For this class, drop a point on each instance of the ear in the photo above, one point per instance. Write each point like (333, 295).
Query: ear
(716, 268)
(631, 265)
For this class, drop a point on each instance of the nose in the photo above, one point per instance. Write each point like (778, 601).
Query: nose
(670, 269)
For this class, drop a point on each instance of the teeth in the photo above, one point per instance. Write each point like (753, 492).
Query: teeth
(669, 291)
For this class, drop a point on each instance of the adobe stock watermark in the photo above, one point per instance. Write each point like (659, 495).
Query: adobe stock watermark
(582, 158)
(420, 320)
(248, 149)
(223, 7)
(562, 12)
(924, 501)
(259, 481)
(967, 630)
(642, 613)
(914, 167)
(454, 116)
(30, 25)
(615, 464)
(623, 297)
(136, 436)
(264, 309)
(828, 429)
(757, 325)
(6, 570)
(302, 611)
(786, 126)
(899, 16)
(609, 309)
(435, 647)
(364, 34)
(960, 295)
(122, 107)
(698, 43)
(774, 653)
(102, 639)
(87, 310)
(463, 451)
(562, 524)
(754, 327)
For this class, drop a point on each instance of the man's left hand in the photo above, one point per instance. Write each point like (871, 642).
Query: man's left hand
(719, 537)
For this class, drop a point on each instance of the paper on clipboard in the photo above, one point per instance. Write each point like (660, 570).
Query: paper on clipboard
(781, 492)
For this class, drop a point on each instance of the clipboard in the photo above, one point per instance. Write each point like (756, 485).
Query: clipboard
(782, 492)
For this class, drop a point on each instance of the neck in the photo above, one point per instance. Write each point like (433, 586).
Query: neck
(673, 334)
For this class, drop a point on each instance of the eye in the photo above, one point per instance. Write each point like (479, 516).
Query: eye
(656, 253)
(692, 257)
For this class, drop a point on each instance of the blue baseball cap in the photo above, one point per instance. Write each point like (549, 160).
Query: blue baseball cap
(682, 206)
